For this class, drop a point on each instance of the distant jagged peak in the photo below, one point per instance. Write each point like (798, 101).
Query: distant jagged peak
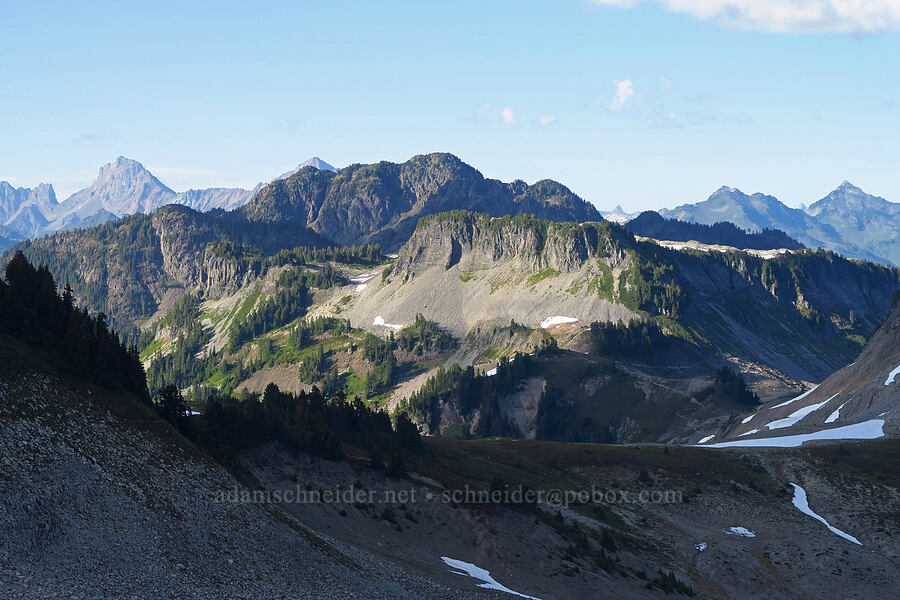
(125, 169)
(314, 162)
(121, 187)
(726, 189)
(846, 185)
(848, 196)
(318, 163)
(618, 215)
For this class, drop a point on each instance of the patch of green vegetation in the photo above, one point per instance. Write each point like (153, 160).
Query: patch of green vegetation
(151, 349)
(673, 327)
(214, 316)
(857, 339)
(354, 385)
(602, 283)
(574, 287)
(650, 285)
(247, 305)
(541, 275)
(467, 276)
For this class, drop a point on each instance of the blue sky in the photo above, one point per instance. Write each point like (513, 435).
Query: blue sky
(643, 104)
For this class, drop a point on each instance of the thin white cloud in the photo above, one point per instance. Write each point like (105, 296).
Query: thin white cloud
(508, 115)
(786, 16)
(546, 120)
(624, 92)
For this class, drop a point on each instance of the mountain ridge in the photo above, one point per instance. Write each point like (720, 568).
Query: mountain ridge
(825, 224)
(382, 202)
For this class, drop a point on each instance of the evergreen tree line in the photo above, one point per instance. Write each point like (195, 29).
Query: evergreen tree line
(306, 422)
(380, 353)
(181, 367)
(303, 333)
(730, 386)
(469, 392)
(32, 310)
(424, 336)
(369, 254)
(184, 321)
(642, 340)
(289, 302)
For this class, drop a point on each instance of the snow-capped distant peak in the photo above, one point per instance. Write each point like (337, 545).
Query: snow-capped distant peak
(315, 162)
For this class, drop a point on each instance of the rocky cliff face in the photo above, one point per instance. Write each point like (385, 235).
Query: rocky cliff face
(124, 268)
(803, 313)
(382, 202)
(184, 238)
(442, 240)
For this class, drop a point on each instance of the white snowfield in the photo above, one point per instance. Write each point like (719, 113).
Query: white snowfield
(748, 419)
(379, 321)
(835, 415)
(741, 531)
(796, 416)
(361, 287)
(802, 503)
(867, 430)
(557, 320)
(362, 278)
(751, 432)
(706, 439)
(701, 546)
(464, 568)
(892, 376)
(800, 397)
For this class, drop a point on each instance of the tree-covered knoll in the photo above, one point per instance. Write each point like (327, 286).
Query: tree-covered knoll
(33, 311)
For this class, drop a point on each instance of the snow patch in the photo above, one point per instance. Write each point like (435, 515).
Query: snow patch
(748, 419)
(867, 430)
(892, 376)
(741, 531)
(751, 432)
(701, 546)
(362, 278)
(379, 322)
(800, 397)
(463, 568)
(361, 287)
(491, 372)
(706, 439)
(796, 416)
(802, 503)
(557, 320)
(835, 415)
